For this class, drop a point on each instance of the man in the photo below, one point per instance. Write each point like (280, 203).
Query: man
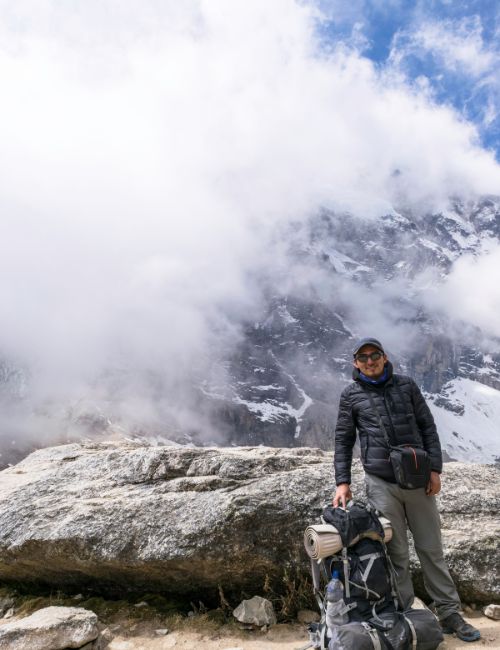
(397, 405)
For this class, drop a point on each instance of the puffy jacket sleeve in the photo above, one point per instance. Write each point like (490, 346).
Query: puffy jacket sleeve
(427, 428)
(345, 437)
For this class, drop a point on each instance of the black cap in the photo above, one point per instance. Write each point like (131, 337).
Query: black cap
(369, 341)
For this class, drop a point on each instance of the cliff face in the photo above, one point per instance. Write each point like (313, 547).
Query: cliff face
(365, 275)
(120, 517)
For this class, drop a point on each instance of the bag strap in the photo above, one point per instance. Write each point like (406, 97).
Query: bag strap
(413, 633)
(315, 571)
(379, 417)
(371, 557)
(410, 417)
(373, 635)
(345, 561)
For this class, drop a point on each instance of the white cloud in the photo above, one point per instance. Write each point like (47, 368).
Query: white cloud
(148, 154)
(457, 48)
(471, 292)
(459, 44)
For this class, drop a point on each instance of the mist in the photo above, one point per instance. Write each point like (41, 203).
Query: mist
(153, 155)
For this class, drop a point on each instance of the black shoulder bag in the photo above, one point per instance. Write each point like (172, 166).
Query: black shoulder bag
(411, 465)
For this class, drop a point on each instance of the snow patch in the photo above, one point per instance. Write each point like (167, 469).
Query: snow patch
(474, 436)
(286, 316)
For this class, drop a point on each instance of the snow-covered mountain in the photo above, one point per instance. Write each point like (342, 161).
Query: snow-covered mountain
(367, 274)
(342, 277)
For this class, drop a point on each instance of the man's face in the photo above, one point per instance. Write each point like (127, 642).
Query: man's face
(373, 368)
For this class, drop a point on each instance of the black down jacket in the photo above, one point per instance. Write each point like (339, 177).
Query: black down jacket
(356, 413)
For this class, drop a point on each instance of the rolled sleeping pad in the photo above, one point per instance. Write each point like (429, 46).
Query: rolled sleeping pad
(323, 540)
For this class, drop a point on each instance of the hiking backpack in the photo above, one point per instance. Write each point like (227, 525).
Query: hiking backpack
(351, 543)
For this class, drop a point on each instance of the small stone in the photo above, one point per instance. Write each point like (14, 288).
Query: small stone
(307, 616)
(161, 631)
(418, 604)
(473, 606)
(468, 609)
(9, 613)
(492, 611)
(263, 628)
(78, 597)
(5, 604)
(106, 634)
(141, 604)
(255, 611)
(190, 614)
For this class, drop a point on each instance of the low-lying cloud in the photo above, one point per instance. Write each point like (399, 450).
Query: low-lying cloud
(149, 153)
(471, 293)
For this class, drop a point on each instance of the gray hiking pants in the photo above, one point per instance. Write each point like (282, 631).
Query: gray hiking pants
(413, 509)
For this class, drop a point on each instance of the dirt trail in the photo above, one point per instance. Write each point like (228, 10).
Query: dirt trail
(279, 637)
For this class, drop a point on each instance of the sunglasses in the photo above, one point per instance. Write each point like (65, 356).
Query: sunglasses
(374, 356)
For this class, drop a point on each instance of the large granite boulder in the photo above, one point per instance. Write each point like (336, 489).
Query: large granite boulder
(120, 517)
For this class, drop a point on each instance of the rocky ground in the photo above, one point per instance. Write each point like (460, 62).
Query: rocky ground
(127, 626)
(279, 637)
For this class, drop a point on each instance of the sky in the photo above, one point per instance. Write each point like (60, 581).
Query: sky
(452, 48)
(151, 152)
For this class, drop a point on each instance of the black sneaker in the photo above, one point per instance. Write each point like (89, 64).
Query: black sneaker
(455, 624)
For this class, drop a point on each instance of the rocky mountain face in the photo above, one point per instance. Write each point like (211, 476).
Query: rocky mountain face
(341, 278)
(286, 378)
(123, 517)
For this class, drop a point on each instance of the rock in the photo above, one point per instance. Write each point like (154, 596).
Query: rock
(418, 604)
(256, 611)
(51, 628)
(6, 605)
(123, 517)
(93, 645)
(9, 613)
(161, 631)
(106, 634)
(141, 604)
(492, 611)
(306, 616)
(469, 506)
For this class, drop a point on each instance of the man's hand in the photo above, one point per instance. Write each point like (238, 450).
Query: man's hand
(343, 494)
(434, 485)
